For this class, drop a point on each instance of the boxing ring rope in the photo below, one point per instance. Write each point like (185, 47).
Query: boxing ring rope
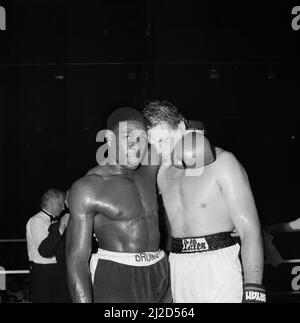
(12, 240)
(13, 272)
(291, 261)
(286, 261)
(25, 271)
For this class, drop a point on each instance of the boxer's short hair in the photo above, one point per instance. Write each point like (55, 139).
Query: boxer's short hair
(122, 115)
(159, 111)
(51, 193)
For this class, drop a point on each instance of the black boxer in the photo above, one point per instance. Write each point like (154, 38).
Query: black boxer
(118, 202)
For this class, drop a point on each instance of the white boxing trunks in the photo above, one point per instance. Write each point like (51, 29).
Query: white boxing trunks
(206, 270)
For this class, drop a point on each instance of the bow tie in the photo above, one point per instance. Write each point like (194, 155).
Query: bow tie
(52, 218)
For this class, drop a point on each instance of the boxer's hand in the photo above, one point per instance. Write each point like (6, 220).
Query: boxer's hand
(254, 293)
(64, 223)
(193, 150)
(235, 233)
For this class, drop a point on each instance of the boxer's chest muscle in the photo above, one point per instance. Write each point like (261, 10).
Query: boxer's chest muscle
(126, 199)
(181, 192)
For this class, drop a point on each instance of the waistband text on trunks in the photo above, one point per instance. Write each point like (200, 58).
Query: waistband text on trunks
(131, 259)
(202, 244)
(146, 257)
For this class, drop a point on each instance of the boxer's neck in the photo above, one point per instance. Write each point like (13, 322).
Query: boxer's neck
(121, 170)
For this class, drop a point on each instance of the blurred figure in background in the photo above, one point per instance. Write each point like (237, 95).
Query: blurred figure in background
(273, 256)
(284, 226)
(55, 245)
(45, 246)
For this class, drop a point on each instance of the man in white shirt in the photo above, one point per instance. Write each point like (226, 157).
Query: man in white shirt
(44, 270)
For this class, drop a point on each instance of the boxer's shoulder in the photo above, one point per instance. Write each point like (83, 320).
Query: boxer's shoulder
(98, 170)
(219, 151)
(87, 186)
(226, 162)
(224, 157)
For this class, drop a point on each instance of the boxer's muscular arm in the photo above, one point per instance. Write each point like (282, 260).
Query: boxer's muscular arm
(78, 243)
(238, 196)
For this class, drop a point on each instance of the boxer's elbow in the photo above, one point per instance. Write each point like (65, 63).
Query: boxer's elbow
(249, 230)
(251, 238)
(76, 264)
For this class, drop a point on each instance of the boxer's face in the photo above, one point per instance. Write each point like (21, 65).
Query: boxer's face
(163, 137)
(131, 144)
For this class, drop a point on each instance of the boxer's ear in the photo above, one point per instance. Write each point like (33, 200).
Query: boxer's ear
(182, 126)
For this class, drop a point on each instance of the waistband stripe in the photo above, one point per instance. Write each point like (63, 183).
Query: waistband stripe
(202, 244)
(131, 259)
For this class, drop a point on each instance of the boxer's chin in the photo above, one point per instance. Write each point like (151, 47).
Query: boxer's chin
(165, 159)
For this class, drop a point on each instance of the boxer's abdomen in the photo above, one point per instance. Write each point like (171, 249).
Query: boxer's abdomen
(137, 235)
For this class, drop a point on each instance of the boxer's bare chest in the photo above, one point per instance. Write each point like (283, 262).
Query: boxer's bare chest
(127, 197)
(195, 205)
(181, 192)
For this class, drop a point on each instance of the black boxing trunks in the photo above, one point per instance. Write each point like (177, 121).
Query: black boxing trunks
(130, 277)
(206, 269)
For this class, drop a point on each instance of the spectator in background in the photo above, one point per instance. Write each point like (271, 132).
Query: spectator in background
(43, 244)
(55, 245)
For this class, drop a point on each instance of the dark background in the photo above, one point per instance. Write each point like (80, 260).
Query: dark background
(65, 65)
